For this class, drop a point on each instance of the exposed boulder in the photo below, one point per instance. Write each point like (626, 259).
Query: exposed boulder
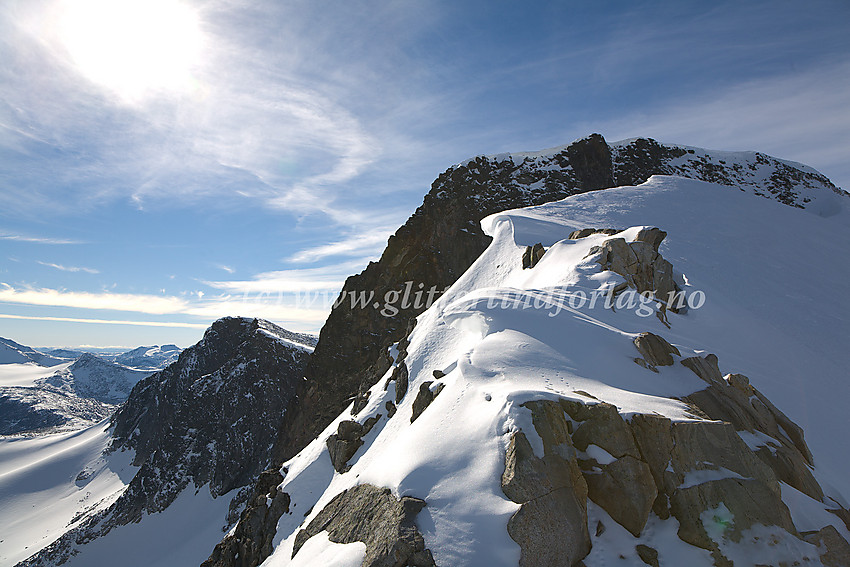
(551, 524)
(655, 350)
(604, 427)
(706, 367)
(643, 267)
(834, 549)
(424, 398)
(375, 517)
(391, 409)
(532, 255)
(400, 376)
(652, 236)
(343, 444)
(647, 554)
(626, 490)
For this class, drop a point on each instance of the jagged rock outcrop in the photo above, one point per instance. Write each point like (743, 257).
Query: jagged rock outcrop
(701, 472)
(640, 263)
(732, 399)
(375, 517)
(424, 398)
(443, 238)
(208, 419)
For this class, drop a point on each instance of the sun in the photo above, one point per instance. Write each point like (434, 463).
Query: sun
(135, 48)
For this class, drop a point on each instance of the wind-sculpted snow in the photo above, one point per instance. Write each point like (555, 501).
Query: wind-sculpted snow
(504, 338)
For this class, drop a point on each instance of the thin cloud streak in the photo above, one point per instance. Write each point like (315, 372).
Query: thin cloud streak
(69, 268)
(106, 321)
(275, 306)
(38, 240)
(371, 242)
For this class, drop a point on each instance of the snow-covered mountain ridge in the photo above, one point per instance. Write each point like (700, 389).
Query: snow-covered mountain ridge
(508, 385)
(444, 237)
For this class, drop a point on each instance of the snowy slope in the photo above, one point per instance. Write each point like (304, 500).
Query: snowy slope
(45, 482)
(769, 275)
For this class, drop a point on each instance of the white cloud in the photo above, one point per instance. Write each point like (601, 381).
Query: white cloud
(371, 242)
(325, 278)
(137, 303)
(277, 306)
(38, 239)
(107, 321)
(69, 268)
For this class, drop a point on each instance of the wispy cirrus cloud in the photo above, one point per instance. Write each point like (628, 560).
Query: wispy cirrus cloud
(370, 242)
(62, 268)
(303, 280)
(252, 127)
(106, 321)
(38, 239)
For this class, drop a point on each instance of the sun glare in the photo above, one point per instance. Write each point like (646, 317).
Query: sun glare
(133, 47)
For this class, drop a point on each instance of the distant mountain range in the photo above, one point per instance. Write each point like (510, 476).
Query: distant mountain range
(76, 388)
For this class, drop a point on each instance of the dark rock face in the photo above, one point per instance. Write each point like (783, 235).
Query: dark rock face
(251, 539)
(443, 238)
(221, 401)
(424, 398)
(343, 444)
(210, 418)
(373, 516)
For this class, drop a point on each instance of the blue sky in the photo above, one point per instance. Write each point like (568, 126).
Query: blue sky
(164, 163)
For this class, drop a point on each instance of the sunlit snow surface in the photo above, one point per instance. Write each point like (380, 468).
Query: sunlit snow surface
(773, 278)
(45, 481)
